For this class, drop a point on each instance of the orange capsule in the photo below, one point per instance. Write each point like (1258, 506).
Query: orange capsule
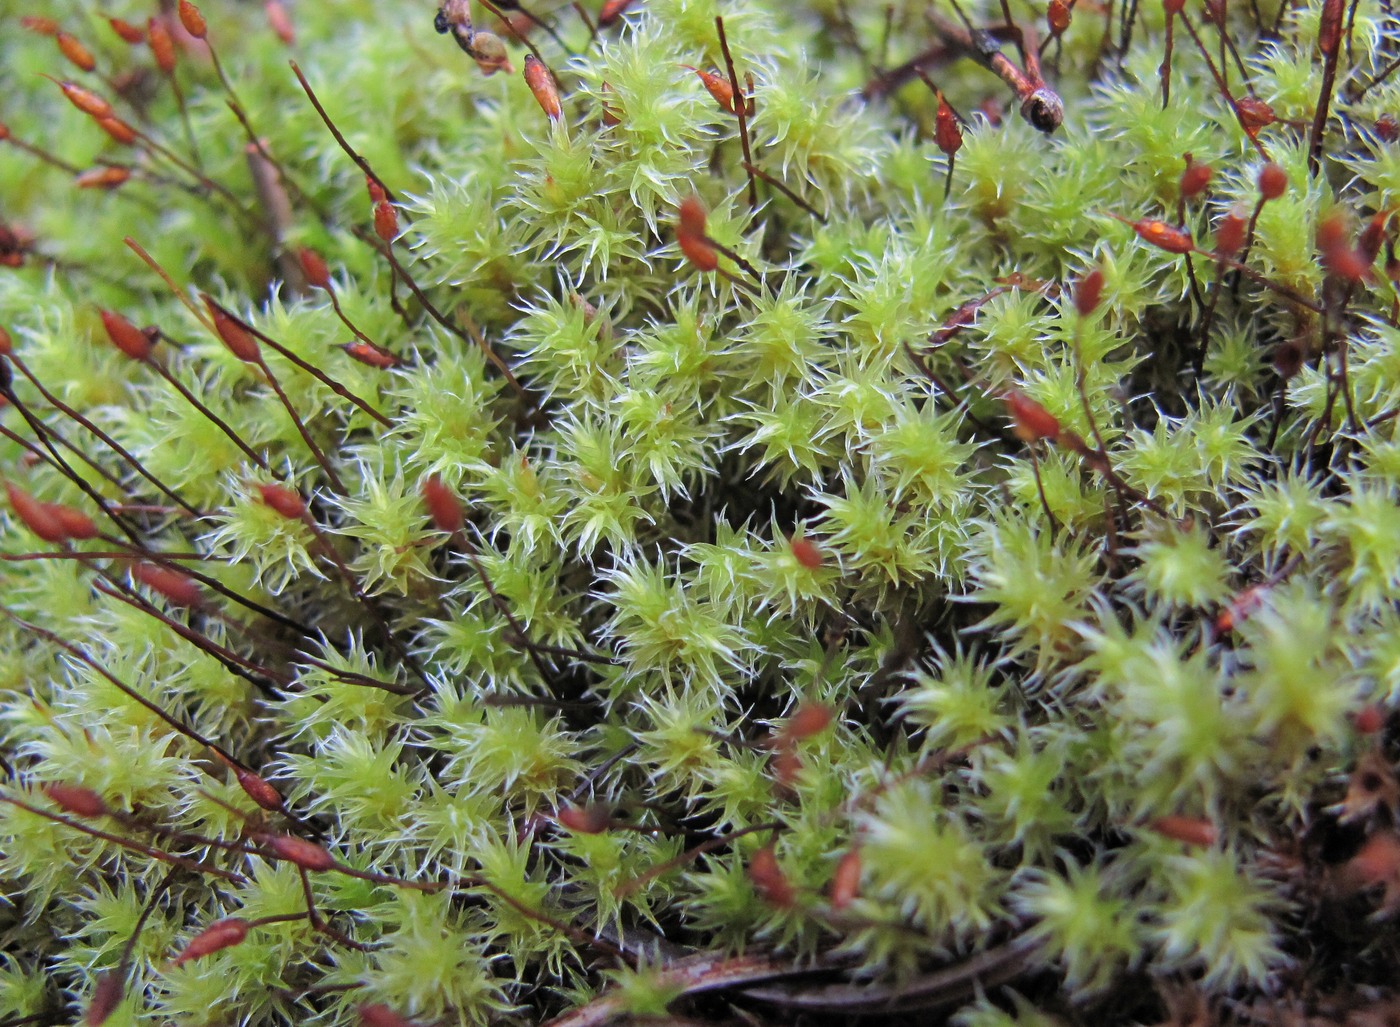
(307, 855)
(162, 45)
(1029, 420)
(78, 55)
(810, 719)
(584, 819)
(1240, 609)
(717, 86)
(443, 506)
(1195, 831)
(118, 129)
(259, 790)
(1272, 181)
(1057, 16)
(386, 221)
(192, 20)
(126, 336)
(39, 26)
(701, 254)
(769, 880)
(106, 177)
(845, 883)
(1229, 234)
(221, 934)
(611, 11)
(1164, 236)
(806, 552)
(285, 501)
(127, 32)
(85, 100)
(75, 800)
(314, 268)
(541, 84)
(947, 133)
(692, 217)
(231, 333)
(174, 587)
(34, 515)
(280, 21)
(75, 523)
(371, 355)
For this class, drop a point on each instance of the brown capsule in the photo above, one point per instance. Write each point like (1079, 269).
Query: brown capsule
(106, 177)
(1164, 236)
(34, 515)
(221, 934)
(75, 523)
(7, 344)
(584, 819)
(75, 800)
(280, 21)
(177, 589)
(111, 987)
(810, 719)
(38, 25)
(127, 32)
(1029, 420)
(1329, 27)
(118, 129)
(259, 790)
(1195, 831)
(1087, 292)
(947, 133)
(1368, 720)
(307, 855)
(1287, 359)
(845, 883)
(386, 221)
(1058, 16)
(769, 880)
(285, 501)
(371, 355)
(541, 84)
(126, 336)
(611, 116)
(1387, 128)
(1255, 115)
(77, 54)
(490, 53)
(192, 20)
(313, 266)
(1194, 180)
(162, 45)
(807, 553)
(1372, 237)
(1239, 609)
(1371, 789)
(443, 506)
(1272, 181)
(231, 333)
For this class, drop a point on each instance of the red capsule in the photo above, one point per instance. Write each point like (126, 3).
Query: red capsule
(75, 523)
(1029, 420)
(176, 588)
(807, 553)
(162, 45)
(377, 1014)
(541, 84)
(77, 54)
(34, 515)
(810, 719)
(126, 336)
(106, 177)
(443, 506)
(127, 32)
(192, 20)
(285, 501)
(612, 10)
(769, 880)
(231, 333)
(85, 100)
(75, 800)
(313, 266)
(584, 819)
(1368, 720)
(701, 254)
(1272, 181)
(1058, 17)
(280, 21)
(845, 883)
(307, 855)
(39, 26)
(1388, 128)
(386, 221)
(376, 190)
(221, 934)
(947, 133)
(7, 344)
(1088, 292)
(1229, 234)
(371, 355)
(692, 217)
(1372, 237)
(1195, 179)
(1195, 831)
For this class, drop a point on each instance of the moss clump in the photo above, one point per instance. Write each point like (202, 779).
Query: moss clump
(536, 579)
